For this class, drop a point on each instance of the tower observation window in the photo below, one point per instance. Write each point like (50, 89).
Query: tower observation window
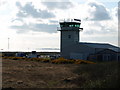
(69, 25)
(77, 25)
(74, 25)
(61, 25)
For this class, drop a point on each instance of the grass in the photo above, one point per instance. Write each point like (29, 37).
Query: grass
(101, 75)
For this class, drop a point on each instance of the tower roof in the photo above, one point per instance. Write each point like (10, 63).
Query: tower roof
(70, 22)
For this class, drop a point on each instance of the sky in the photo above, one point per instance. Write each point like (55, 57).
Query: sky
(32, 24)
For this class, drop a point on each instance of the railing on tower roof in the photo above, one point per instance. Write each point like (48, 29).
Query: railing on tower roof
(70, 20)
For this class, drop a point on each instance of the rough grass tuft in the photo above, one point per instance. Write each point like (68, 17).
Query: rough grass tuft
(100, 75)
(62, 61)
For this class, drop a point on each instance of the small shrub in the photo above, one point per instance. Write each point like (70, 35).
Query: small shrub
(4, 57)
(8, 57)
(38, 59)
(56, 61)
(46, 60)
(84, 62)
(62, 61)
(17, 58)
(14, 58)
(34, 59)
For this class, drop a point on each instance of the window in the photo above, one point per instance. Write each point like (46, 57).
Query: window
(77, 25)
(61, 25)
(69, 36)
(106, 57)
(71, 25)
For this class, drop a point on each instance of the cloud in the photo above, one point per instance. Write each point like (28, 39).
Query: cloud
(100, 28)
(98, 15)
(2, 2)
(30, 10)
(21, 28)
(97, 11)
(58, 5)
(119, 11)
(114, 13)
(18, 4)
(100, 21)
(53, 21)
(48, 28)
(31, 19)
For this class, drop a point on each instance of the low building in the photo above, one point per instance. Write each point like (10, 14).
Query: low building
(32, 55)
(106, 55)
(20, 54)
(84, 51)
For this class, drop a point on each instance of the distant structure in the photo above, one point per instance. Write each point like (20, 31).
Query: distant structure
(32, 55)
(71, 48)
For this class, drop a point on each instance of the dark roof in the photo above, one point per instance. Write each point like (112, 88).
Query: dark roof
(101, 45)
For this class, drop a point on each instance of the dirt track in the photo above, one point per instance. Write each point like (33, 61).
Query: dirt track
(32, 74)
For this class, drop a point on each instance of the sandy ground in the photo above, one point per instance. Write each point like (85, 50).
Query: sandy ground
(32, 74)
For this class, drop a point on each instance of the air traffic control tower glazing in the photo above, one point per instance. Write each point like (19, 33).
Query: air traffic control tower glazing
(69, 34)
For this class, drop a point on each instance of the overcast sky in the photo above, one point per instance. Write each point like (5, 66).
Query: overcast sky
(32, 24)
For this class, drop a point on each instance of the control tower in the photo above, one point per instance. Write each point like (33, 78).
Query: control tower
(69, 34)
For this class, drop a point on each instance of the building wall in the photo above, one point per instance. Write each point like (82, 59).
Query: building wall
(107, 55)
(69, 37)
(98, 50)
(118, 56)
(77, 49)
